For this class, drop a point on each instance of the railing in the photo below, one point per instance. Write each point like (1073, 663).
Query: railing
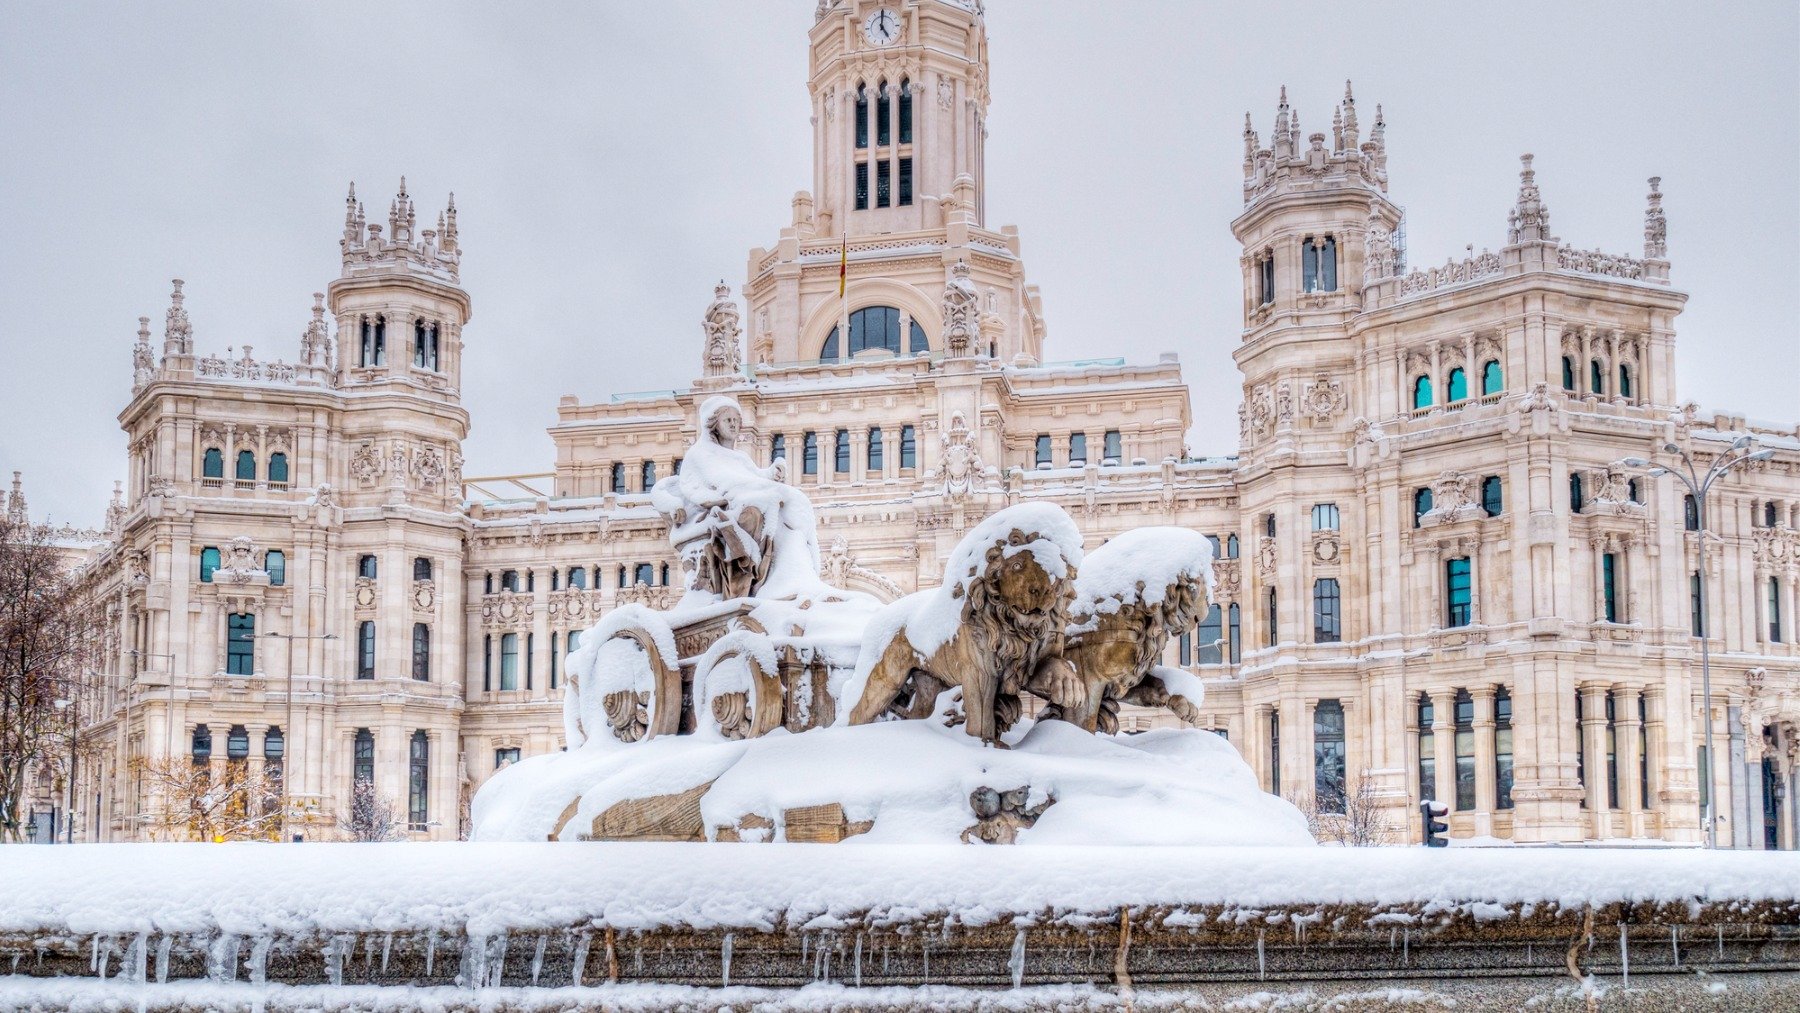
(1596, 262)
(1453, 272)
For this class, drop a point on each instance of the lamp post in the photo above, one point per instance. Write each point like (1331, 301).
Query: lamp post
(287, 730)
(1699, 486)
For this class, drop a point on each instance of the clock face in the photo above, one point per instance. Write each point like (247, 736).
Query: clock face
(882, 27)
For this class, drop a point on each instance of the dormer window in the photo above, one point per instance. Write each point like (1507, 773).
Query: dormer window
(1318, 264)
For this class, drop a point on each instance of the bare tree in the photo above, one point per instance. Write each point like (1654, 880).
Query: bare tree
(47, 636)
(1356, 820)
(209, 802)
(371, 816)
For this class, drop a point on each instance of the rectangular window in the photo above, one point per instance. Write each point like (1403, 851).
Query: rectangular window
(646, 476)
(618, 478)
(1275, 752)
(1695, 614)
(1186, 651)
(506, 757)
(275, 562)
(645, 574)
(362, 769)
(1465, 751)
(1703, 763)
(777, 448)
(1427, 751)
(1268, 279)
(240, 643)
(906, 183)
(1207, 641)
(555, 659)
(1269, 618)
(1774, 610)
(487, 663)
(1327, 621)
(1043, 450)
(809, 453)
(209, 564)
(530, 656)
(841, 452)
(1643, 752)
(1459, 590)
(862, 186)
(1233, 629)
(1580, 751)
(1612, 755)
(418, 780)
(883, 183)
(1077, 449)
(1112, 448)
(1609, 590)
(365, 650)
(1503, 750)
(909, 448)
(1309, 266)
(1328, 264)
(1325, 517)
(873, 461)
(509, 661)
(1328, 756)
(421, 652)
(1492, 495)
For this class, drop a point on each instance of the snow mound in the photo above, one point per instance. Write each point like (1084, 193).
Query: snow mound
(1137, 567)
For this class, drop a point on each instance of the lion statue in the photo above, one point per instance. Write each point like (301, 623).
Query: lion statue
(997, 619)
(1133, 593)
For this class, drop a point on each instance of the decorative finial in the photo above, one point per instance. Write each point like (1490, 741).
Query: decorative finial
(1656, 227)
(402, 186)
(178, 333)
(1530, 217)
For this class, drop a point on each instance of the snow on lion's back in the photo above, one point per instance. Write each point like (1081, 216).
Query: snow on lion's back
(1138, 566)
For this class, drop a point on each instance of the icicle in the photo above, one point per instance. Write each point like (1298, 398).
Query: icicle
(163, 946)
(1674, 946)
(537, 958)
(858, 960)
(1624, 956)
(136, 958)
(94, 957)
(580, 962)
(334, 962)
(430, 951)
(15, 967)
(805, 941)
(368, 955)
(637, 955)
(1016, 964)
(1262, 965)
(1405, 946)
(259, 960)
(884, 959)
(387, 949)
(925, 951)
(725, 960)
(498, 963)
(826, 954)
(1720, 929)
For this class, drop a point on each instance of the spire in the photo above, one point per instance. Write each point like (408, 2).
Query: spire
(401, 217)
(1337, 129)
(1282, 140)
(1352, 140)
(1656, 227)
(143, 360)
(1530, 218)
(115, 511)
(447, 231)
(315, 341)
(15, 504)
(178, 333)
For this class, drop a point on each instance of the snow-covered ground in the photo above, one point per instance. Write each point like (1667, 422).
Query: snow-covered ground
(262, 889)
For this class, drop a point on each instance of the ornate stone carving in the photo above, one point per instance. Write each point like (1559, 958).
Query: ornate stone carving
(1529, 221)
(1379, 257)
(1614, 494)
(654, 596)
(1323, 398)
(962, 311)
(428, 466)
(1453, 499)
(367, 463)
(1265, 558)
(1656, 227)
(241, 563)
(1327, 548)
(424, 596)
(1228, 579)
(959, 460)
(723, 350)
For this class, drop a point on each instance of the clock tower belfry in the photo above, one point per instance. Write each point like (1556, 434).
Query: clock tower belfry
(900, 97)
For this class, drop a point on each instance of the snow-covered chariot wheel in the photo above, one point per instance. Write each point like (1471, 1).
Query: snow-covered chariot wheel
(738, 689)
(639, 689)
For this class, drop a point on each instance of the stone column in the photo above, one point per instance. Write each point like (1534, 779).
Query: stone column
(1754, 751)
(1627, 726)
(1295, 738)
(1593, 737)
(1655, 735)
(1486, 785)
(1443, 743)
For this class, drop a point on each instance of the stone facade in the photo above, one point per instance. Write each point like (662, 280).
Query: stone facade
(1434, 572)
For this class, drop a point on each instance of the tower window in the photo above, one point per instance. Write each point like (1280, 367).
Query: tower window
(809, 453)
(1492, 380)
(1422, 393)
(906, 127)
(1318, 264)
(1328, 623)
(1421, 506)
(365, 650)
(421, 652)
(1609, 586)
(418, 779)
(246, 466)
(1491, 495)
(883, 105)
(509, 662)
(1459, 591)
(275, 562)
(873, 461)
(380, 347)
(909, 448)
(212, 463)
(209, 563)
(1456, 388)
(872, 327)
(883, 183)
(1265, 274)
(425, 345)
(1568, 373)
(906, 183)
(841, 452)
(1328, 756)
(278, 469)
(862, 120)
(1624, 380)
(862, 186)
(240, 643)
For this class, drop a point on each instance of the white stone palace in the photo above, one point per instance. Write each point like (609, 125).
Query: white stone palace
(1436, 577)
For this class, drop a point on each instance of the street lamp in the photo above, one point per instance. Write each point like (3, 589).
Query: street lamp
(287, 731)
(1699, 486)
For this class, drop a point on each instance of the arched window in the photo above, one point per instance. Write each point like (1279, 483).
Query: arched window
(1328, 621)
(809, 453)
(1624, 380)
(883, 104)
(1575, 497)
(509, 580)
(278, 469)
(209, 563)
(362, 768)
(1631, 491)
(1456, 388)
(380, 341)
(873, 460)
(1568, 373)
(421, 652)
(1328, 756)
(862, 116)
(1769, 515)
(274, 748)
(275, 562)
(777, 448)
(202, 746)
(365, 566)
(645, 574)
(240, 643)
(1492, 381)
(1596, 377)
(1231, 546)
(872, 328)
(577, 578)
(841, 452)
(1421, 505)
(366, 348)
(1690, 513)
(917, 342)
(1318, 264)
(425, 345)
(555, 580)
(1491, 494)
(509, 661)
(665, 575)
(365, 650)
(909, 448)
(1422, 392)
(906, 111)
(237, 743)
(421, 568)
(212, 463)
(418, 779)
(246, 466)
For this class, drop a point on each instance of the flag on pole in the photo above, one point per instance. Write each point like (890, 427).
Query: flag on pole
(843, 265)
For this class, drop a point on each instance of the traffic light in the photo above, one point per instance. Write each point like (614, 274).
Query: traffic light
(1434, 813)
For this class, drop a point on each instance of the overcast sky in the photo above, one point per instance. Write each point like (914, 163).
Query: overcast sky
(612, 161)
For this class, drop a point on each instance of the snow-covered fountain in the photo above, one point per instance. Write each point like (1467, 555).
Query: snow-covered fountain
(767, 705)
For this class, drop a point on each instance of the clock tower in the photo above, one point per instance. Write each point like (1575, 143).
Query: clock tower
(900, 97)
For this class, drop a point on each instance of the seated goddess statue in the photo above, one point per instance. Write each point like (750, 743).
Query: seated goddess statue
(740, 529)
